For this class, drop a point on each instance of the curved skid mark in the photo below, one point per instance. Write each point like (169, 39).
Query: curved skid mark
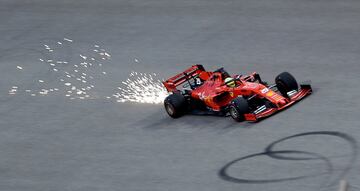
(283, 155)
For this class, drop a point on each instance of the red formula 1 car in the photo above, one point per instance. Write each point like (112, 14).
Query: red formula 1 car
(245, 97)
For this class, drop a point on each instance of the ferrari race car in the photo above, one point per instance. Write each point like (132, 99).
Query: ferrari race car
(249, 98)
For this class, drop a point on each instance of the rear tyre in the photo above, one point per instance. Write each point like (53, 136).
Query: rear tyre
(175, 105)
(285, 82)
(238, 108)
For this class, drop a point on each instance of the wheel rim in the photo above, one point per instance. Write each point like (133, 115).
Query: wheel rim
(169, 109)
(234, 113)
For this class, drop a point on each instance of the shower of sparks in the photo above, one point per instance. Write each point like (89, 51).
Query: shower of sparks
(75, 77)
(141, 88)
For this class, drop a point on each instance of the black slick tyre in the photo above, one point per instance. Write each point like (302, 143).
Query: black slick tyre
(285, 82)
(175, 105)
(238, 108)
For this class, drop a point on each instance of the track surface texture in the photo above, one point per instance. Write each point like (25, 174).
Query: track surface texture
(54, 143)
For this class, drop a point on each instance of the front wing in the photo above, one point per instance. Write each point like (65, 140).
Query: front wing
(305, 90)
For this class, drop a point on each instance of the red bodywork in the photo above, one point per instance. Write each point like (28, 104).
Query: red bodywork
(216, 95)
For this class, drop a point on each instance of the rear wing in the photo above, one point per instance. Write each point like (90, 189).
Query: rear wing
(190, 73)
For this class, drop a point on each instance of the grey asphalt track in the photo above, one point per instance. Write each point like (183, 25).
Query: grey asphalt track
(53, 143)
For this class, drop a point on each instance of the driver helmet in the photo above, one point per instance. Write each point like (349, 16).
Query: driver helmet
(230, 82)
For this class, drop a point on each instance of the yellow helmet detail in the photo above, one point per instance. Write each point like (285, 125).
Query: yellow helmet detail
(230, 82)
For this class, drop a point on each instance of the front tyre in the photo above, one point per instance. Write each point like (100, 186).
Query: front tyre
(285, 82)
(238, 108)
(175, 105)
